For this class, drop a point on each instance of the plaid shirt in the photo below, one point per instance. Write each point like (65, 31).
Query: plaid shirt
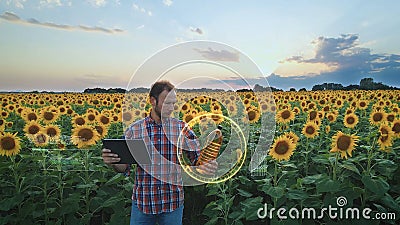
(158, 187)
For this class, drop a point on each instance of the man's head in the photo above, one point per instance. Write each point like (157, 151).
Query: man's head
(162, 98)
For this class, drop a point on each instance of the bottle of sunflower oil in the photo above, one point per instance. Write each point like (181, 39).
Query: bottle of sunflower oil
(211, 151)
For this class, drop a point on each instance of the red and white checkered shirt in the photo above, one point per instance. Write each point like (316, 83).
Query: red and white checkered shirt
(158, 187)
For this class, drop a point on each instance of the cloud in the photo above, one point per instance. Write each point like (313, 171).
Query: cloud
(141, 9)
(17, 3)
(97, 3)
(11, 17)
(348, 63)
(51, 3)
(167, 2)
(222, 55)
(196, 30)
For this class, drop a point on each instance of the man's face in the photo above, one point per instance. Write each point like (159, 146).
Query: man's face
(165, 104)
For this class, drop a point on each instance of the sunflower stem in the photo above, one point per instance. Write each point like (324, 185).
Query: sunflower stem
(335, 166)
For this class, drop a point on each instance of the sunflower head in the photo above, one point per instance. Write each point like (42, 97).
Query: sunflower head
(377, 117)
(344, 144)
(282, 148)
(350, 120)
(385, 139)
(85, 135)
(310, 129)
(284, 116)
(9, 144)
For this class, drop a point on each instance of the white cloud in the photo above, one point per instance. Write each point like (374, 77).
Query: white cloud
(50, 3)
(140, 27)
(97, 3)
(141, 9)
(167, 2)
(17, 3)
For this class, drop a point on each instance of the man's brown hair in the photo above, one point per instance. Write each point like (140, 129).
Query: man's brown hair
(159, 87)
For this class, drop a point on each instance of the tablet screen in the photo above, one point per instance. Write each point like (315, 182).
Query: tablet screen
(131, 151)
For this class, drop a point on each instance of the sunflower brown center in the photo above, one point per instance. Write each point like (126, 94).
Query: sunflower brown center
(79, 121)
(350, 120)
(281, 147)
(310, 130)
(390, 118)
(285, 114)
(1, 122)
(252, 115)
(189, 118)
(396, 128)
(33, 129)
(363, 104)
(7, 143)
(377, 117)
(41, 138)
(99, 129)
(104, 120)
(126, 116)
(384, 138)
(32, 116)
(91, 117)
(343, 142)
(51, 132)
(313, 115)
(85, 134)
(48, 115)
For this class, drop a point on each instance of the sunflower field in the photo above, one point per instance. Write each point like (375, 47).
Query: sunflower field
(325, 145)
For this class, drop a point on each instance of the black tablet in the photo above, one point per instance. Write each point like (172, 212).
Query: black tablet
(131, 151)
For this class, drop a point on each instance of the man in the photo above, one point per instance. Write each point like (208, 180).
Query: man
(158, 190)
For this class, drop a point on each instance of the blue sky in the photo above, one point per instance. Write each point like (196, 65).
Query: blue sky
(72, 45)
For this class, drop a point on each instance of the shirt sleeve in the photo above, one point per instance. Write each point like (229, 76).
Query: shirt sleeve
(192, 145)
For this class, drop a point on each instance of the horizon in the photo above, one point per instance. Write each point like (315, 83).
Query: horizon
(66, 46)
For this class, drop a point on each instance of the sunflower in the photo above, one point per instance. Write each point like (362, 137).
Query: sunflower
(9, 144)
(101, 129)
(284, 116)
(84, 135)
(253, 115)
(362, 104)
(396, 128)
(2, 124)
(282, 148)
(350, 120)
(310, 129)
(187, 117)
(327, 129)
(312, 115)
(331, 117)
(90, 117)
(29, 114)
(40, 139)
(49, 115)
(53, 132)
(377, 117)
(390, 117)
(292, 136)
(32, 128)
(103, 119)
(78, 120)
(344, 143)
(386, 137)
(127, 117)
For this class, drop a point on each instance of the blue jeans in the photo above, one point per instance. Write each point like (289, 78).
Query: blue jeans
(168, 218)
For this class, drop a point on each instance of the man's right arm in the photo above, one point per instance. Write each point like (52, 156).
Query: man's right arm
(110, 158)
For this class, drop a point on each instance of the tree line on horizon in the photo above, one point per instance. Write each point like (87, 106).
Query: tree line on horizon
(365, 84)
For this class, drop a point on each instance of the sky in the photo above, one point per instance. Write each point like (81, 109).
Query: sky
(63, 45)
